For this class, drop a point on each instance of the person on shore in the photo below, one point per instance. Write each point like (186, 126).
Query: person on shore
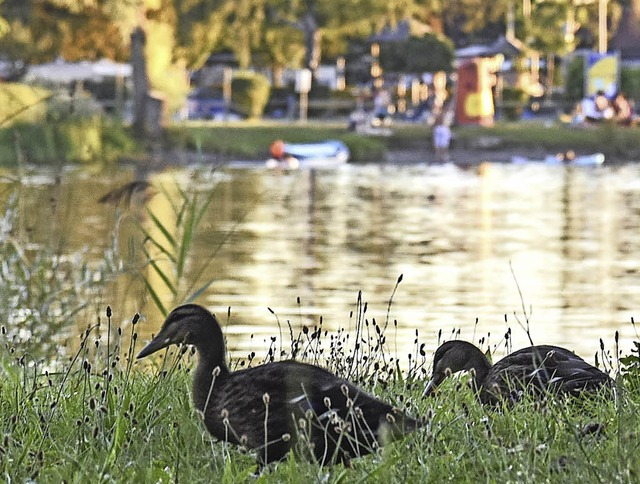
(597, 108)
(622, 109)
(381, 102)
(441, 139)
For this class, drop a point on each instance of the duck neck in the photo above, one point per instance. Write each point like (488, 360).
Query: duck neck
(211, 367)
(480, 366)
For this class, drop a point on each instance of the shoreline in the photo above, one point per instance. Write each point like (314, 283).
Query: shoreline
(457, 156)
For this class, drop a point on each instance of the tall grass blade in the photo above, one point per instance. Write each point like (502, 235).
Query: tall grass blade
(158, 245)
(160, 226)
(161, 274)
(156, 299)
(187, 237)
(198, 292)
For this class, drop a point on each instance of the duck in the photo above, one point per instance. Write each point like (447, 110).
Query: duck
(278, 406)
(539, 370)
(139, 190)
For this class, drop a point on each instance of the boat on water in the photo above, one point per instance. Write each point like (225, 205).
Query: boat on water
(566, 158)
(324, 154)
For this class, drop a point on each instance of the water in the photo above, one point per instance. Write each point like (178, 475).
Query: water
(555, 244)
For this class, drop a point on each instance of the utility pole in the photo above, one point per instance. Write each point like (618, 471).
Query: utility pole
(602, 26)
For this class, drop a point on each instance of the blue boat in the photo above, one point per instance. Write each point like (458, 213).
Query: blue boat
(325, 154)
(568, 158)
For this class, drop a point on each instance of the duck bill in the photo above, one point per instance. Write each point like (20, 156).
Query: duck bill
(430, 390)
(157, 343)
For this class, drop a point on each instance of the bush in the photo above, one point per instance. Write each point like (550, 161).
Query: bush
(71, 140)
(574, 87)
(20, 102)
(430, 53)
(513, 100)
(63, 107)
(630, 82)
(250, 93)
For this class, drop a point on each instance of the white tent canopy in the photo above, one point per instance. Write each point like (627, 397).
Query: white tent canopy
(66, 72)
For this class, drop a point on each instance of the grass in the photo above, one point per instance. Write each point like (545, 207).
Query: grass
(97, 415)
(250, 140)
(71, 141)
(619, 143)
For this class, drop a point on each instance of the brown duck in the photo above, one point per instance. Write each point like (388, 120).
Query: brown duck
(537, 369)
(277, 407)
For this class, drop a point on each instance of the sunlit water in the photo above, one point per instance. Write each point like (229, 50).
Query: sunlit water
(495, 243)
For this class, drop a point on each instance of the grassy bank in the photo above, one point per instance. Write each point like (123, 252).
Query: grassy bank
(70, 141)
(252, 140)
(99, 417)
(90, 140)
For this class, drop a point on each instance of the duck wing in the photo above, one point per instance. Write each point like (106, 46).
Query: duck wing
(307, 407)
(541, 369)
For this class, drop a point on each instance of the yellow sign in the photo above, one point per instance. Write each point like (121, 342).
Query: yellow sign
(601, 73)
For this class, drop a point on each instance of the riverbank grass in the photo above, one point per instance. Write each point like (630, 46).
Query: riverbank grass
(251, 140)
(101, 416)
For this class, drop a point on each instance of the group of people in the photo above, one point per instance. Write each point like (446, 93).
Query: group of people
(599, 107)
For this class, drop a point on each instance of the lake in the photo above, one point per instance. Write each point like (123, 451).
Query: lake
(479, 249)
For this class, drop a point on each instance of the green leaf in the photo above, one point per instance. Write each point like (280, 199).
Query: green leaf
(198, 292)
(156, 298)
(162, 228)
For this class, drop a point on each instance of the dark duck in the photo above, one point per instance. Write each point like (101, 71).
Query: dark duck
(539, 370)
(280, 406)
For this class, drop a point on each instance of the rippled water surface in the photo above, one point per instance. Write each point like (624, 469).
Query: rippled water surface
(481, 243)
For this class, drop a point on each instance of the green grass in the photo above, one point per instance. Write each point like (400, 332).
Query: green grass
(251, 140)
(78, 141)
(615, 142)
(99, 417)
(81, 141)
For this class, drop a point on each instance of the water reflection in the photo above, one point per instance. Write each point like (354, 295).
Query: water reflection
(295, 247)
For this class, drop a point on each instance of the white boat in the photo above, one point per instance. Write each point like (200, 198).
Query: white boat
(568, 158)
(325, 154)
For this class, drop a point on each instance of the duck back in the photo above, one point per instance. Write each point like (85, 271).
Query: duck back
(290, 405)
(541, 369)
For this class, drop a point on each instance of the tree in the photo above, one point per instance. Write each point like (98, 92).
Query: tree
(327, 25)
(427, 54)
(40, 31)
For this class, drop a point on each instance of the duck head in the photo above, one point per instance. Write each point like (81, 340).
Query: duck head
(454, 356)
(192, 325)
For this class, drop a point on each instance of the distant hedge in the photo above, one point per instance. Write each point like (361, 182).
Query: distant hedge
(38, 125)
(250, 93)
(630, 82)
(20, 102)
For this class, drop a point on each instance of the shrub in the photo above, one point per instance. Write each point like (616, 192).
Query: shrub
(574, 87)
(430, 53)
(250, 93)
(514, 100)
(20, 102)
(63, 107)
(630, 82)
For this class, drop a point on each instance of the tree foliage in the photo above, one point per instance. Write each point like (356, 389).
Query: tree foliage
(182, 34)
(427, 54)
(42, 30)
